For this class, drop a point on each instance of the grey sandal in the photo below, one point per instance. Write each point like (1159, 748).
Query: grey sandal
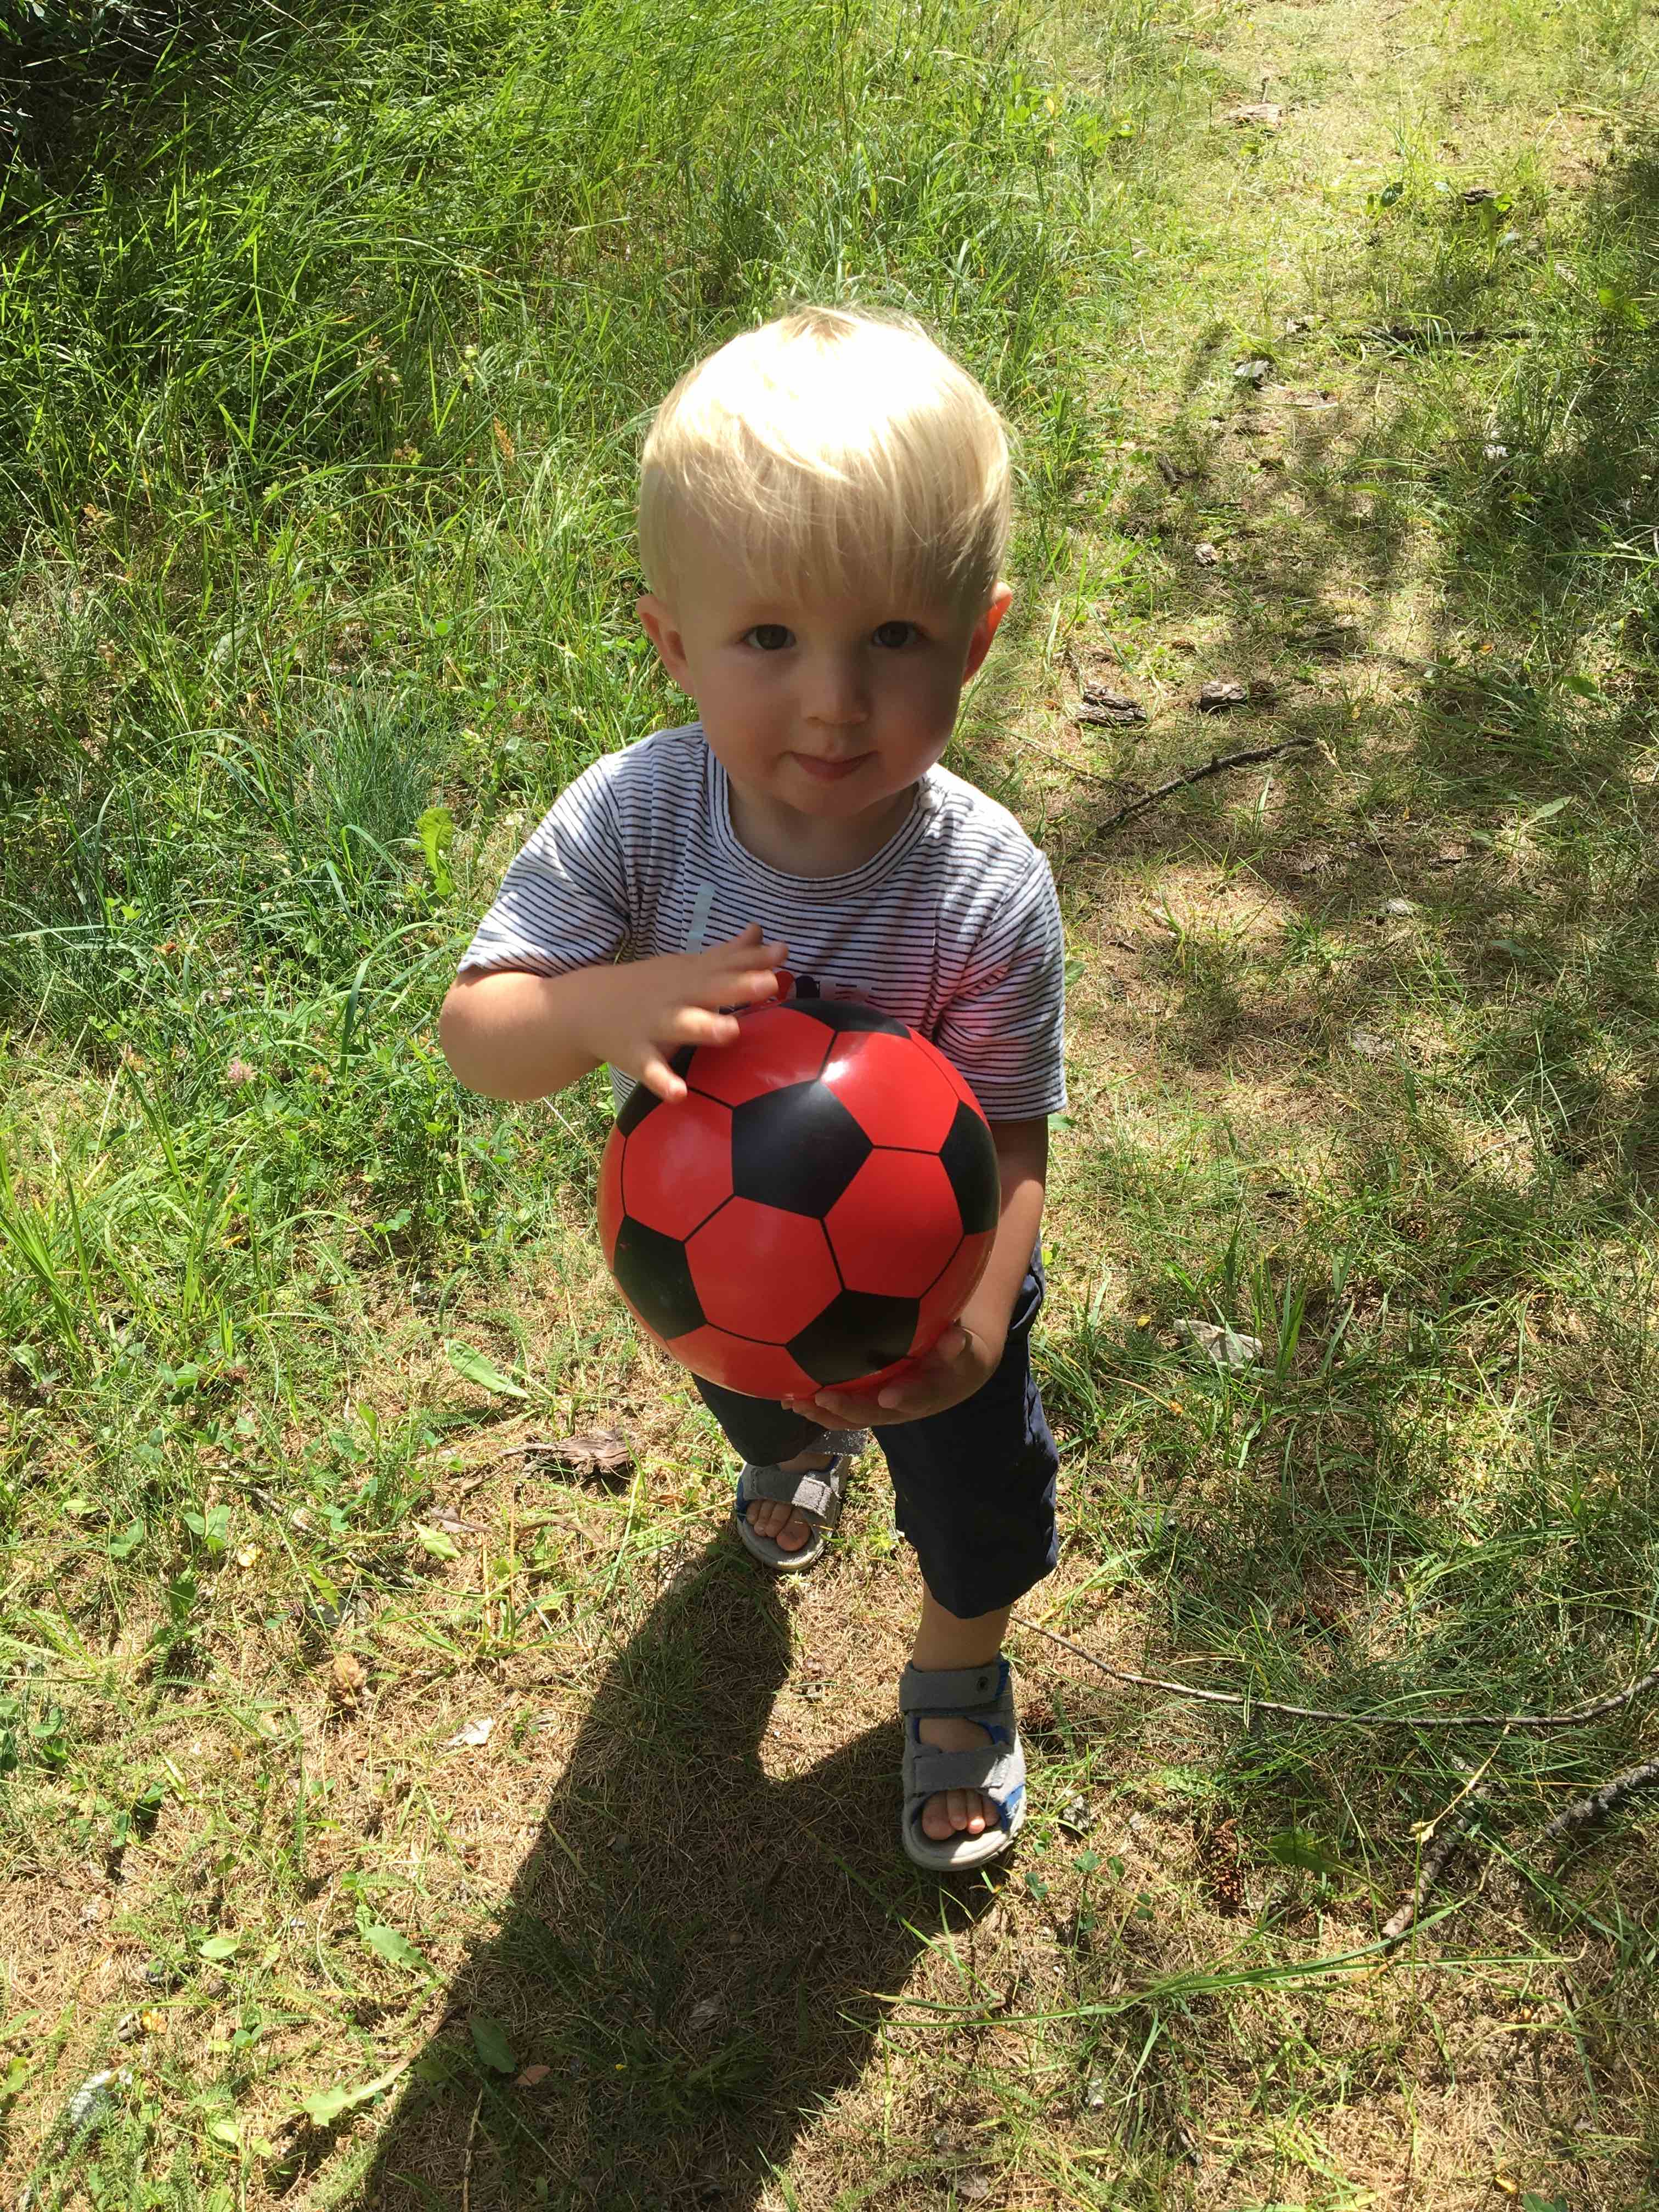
(817, 1496)
(984, 1695)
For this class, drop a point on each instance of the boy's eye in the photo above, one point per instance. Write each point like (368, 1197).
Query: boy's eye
(895, 634)
(769, 637)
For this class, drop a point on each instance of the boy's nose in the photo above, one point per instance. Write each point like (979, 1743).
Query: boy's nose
(835, 694)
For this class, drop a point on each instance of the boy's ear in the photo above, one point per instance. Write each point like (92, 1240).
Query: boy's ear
(986, 629)
(658, 618)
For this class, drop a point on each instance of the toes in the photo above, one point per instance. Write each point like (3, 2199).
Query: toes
(954, 1813)
(782, 1524)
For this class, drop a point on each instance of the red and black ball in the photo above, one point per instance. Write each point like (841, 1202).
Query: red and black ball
(814, 1212)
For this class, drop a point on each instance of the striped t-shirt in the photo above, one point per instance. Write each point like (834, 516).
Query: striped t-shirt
(953, 926)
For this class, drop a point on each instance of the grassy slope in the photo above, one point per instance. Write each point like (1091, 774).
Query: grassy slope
(334, 565)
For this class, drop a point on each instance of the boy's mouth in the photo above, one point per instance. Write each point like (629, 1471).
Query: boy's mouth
(828, 770)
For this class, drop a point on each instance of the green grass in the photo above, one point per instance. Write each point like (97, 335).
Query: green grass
(324, 350)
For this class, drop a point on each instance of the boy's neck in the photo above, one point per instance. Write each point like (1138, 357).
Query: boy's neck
(797, 844)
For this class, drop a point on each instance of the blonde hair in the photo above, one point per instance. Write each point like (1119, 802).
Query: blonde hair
(831, 450)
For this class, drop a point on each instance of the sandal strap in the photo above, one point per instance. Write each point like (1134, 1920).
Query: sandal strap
(995, 1768)
(973, 1691)
(816, 1495)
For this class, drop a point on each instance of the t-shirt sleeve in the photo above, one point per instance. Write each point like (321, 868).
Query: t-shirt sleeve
(1006, 1027)
(564, 901)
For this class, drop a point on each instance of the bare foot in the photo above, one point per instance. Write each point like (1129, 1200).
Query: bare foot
(955, 1812)
(787, 1528)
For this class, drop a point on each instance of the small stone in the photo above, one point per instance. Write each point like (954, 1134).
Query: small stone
(1219, 697)
(473, 1734)
(1206, 555)
(1227, 1347)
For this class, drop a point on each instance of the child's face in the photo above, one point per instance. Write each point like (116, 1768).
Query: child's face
(828, 706)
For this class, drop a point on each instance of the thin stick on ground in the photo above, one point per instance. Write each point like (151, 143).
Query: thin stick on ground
(1603, 1803)
(1578, 1717)
(1217, 765)
(1440, 1838)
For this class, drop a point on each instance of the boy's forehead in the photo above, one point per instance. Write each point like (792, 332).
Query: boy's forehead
(728, 591)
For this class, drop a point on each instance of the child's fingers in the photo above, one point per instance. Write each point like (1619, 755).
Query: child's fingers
(657, 1075)
(748, 943)
(697, 1025)
(746, 990)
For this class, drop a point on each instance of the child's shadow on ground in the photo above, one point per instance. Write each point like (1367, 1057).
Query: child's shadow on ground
(690, 1948)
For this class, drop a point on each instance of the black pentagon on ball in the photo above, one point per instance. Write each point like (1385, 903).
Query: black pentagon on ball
(796, 1148)
(970, 1161)
(848, 1014)
(856, 1334)
(641, 1099)
(655, 1277)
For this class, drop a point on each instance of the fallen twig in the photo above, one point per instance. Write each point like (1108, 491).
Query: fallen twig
(1440, 1838)
(1600, 1803)
(1578, 1717)
(1217, 765)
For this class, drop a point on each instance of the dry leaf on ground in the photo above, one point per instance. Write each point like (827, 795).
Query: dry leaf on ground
(598, 1452)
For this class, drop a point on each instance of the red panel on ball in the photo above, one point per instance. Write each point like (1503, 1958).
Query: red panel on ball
(677, 1166)
(897, 1224)
(611, 1205)
(761, 1272)
(946, 1298)
(775, 1046)
(897, 1088)
(760, 1370)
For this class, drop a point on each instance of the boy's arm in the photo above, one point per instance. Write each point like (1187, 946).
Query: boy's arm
(968, 1352)
(512, 1034)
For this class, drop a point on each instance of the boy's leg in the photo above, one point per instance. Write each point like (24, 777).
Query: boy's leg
(944, 1641)
(769, 1435)
(974, 1493)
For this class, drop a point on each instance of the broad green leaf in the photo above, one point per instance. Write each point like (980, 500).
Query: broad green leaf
(225, 2131)
(474, 1367)
(219, 1947)
(324, 2106)
(436, 829)
(1299, 1847)
(435, 1541)
(122, 1545)
(489, 2041)
(395, 1949)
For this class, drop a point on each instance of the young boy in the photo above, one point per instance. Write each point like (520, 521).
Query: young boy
(823, 513)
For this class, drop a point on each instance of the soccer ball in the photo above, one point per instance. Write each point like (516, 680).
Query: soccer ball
(815, 1210)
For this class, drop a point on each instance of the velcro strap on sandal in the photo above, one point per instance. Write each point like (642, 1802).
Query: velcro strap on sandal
(817, 1496)
(991, 1767)
(939, 1691)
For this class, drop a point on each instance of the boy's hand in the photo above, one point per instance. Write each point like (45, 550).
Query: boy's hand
(652, 1008)
(958, 1364)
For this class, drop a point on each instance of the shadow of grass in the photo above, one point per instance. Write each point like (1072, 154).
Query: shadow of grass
(693, 1950)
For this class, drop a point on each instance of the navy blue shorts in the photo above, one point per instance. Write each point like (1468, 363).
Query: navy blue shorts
(973, 1487)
